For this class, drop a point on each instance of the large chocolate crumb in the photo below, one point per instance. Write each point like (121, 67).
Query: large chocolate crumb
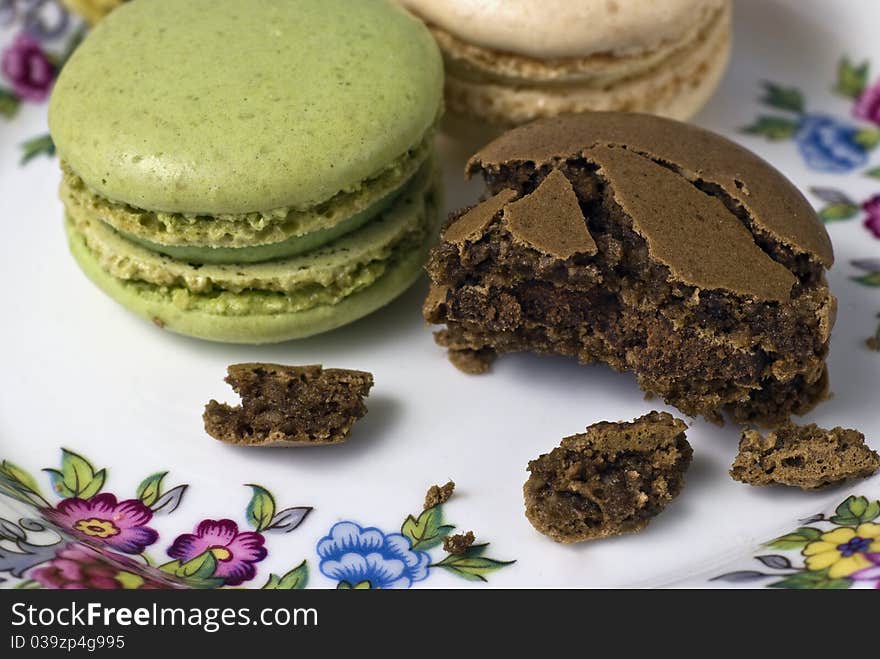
(808, 457)
(289, 405)
(610, 480)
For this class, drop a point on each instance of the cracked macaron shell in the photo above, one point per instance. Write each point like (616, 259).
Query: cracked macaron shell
(260, 117)
(774, 206)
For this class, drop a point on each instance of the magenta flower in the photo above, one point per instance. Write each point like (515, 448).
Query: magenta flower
(29, 71)
(77, 567)
(236, 553)
(867, 107)
(101, 519)
(870, 573)
(872, 208)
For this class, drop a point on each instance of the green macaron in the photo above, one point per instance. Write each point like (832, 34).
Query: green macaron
(250, 170)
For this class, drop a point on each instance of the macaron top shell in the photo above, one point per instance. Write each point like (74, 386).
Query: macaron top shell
(769, 200)
(234, 106)
(566, 28)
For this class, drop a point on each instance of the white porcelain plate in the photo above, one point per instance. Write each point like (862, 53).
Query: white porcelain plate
(96, 405)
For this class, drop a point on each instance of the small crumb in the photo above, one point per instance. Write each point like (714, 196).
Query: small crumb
(438, 494)
(459, 543)
(872, 343)
(158, 322)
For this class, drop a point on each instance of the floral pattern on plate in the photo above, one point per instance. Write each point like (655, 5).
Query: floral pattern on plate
(365, 557)
(92, 538)
(828, 552)
(99, 540)
(826, 142)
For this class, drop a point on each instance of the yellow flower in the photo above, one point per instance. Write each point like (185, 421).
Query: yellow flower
(842, 551)
(92, 10)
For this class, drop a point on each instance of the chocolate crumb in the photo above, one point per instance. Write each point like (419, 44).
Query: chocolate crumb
(289, 405)
(808, 457)
(158, 322)
(459, 543)
(611, 480)
(438, 494)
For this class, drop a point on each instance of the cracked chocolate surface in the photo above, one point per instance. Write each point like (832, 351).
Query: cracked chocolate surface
(613, 479)
(289, 405)
(713, 305)
(808, 457)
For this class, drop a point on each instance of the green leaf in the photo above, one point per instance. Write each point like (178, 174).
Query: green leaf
(783, 98)
(59, 485)
(361, 585)
(94, 486)
(839, 212)
(296, 579)
(9, 103)
(874, 172)
(856, 510)
(40, 145)
(150, 488)
(868, 138)
(22, 478)
(809, 580)
(78, 472)
(200, 567)
(870, 279)
(471, 565)
(426, 531)
(851, 79)
(261, 508)
(272, 582)
(77, 477)
(797, 539)
(28, 584)
(774, 129)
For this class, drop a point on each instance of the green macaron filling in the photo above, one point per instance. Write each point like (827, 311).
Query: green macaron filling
(275, 231)
(321, 277)
(293, 246)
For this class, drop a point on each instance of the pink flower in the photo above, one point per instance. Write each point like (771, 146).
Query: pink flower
(101, 519)
(870, 573)
(29, 71)
(872, 208)
(867, 107)
(236, 553)
(77, 567)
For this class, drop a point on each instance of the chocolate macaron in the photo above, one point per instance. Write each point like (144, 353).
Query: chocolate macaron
(650, 245)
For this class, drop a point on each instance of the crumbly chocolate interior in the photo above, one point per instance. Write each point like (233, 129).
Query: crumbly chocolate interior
(289, 405)
(703, 350)
(808, 457)
(611, 480)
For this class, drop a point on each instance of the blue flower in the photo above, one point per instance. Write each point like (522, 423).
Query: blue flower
(830, 145)
(354, 555)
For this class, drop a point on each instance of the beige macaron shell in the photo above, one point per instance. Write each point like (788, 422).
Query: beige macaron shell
(565, 28)
(505, 89)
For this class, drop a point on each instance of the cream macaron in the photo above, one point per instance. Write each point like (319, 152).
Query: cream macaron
(512, 61)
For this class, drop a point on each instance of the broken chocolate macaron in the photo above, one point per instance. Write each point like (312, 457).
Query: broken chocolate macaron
(610, 480)
(650, 245)
(289, 405)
